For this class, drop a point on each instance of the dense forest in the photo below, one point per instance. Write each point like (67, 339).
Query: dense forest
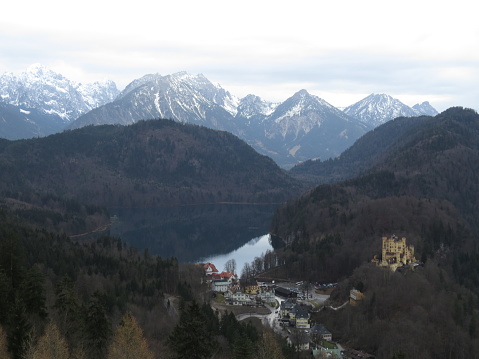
(423, 187)
(60, 298)
(366, 152)
(149, 163)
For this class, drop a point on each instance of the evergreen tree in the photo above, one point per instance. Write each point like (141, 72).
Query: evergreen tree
(67, 305)
(32, 292)
(96, 326)
(19, 330)
(191, 339)
(242, 347)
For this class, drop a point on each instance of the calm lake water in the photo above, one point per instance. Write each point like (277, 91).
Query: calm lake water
(245, 254)
(201, 233)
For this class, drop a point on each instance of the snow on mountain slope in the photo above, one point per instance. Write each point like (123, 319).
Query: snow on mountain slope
(377, 109)
(254, 106)
(300, 114)
(180, 96)
(425, 108)
(47, 91)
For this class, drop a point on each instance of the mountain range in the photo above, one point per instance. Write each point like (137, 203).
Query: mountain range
(377, 109)
(41, 101)
(302, 127)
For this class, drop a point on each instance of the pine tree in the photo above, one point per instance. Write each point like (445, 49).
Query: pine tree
(19, 330)
(96, 326)
(191, 339)
(68, 308)
(242, 346)
(128, 341)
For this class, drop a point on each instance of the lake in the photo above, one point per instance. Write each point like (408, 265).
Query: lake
(198, 233)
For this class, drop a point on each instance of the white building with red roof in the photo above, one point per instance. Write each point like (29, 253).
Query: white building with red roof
(210, 269)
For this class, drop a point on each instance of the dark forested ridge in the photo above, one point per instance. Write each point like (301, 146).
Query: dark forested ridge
(425, 184)
(150, 163)
(366, 152)
(424, 187)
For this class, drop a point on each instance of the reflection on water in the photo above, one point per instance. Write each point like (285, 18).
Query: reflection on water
(244, 254)
(190, 233)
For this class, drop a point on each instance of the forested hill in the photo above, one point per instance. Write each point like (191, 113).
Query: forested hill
(425, 187)
(150, 163)
(366, 152)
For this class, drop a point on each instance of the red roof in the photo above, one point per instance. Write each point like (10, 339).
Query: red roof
(211, 266)
(223, 275)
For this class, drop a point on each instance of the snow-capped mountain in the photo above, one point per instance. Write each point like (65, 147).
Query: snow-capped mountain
(425, 108)
(306, 126)
(254, 107)
(377, 109)
(302, 127)
(300, 114)
(50, 92)
(181, 96)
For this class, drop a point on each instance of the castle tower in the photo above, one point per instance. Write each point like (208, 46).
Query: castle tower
(396, 252)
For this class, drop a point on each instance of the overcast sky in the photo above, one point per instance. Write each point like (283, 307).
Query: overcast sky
(339, 50)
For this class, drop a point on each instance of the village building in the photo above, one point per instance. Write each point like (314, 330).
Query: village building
(220, 285)
(235, 296)
(286, 306)
(209, 269)
(302, 319)
(267, 295)
(355, 296)
(293, 314)
(252, 289)
(319, 332)
(285, 293)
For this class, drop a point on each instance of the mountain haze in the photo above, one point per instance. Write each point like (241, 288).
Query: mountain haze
(366, 152)
(19, 122)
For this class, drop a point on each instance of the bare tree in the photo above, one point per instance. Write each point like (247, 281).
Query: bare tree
(257, 265)
(230, 265)
(246, 273)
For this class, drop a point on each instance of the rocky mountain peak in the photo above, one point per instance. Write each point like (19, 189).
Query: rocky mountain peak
(377, 109)
(52, 93)
(425, 108)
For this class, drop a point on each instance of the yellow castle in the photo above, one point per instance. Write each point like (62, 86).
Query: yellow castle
(395, 252)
